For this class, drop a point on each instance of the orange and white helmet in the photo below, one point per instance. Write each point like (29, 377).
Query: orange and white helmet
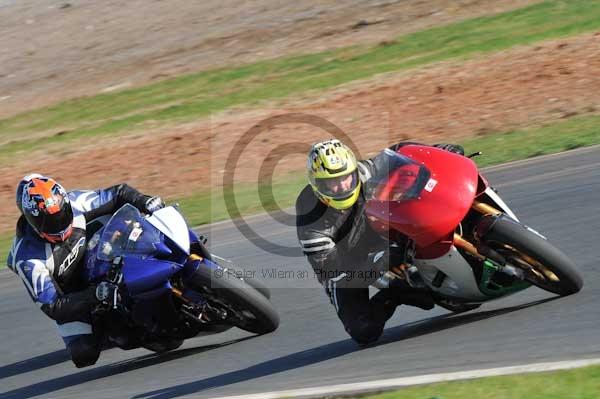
(46, 207)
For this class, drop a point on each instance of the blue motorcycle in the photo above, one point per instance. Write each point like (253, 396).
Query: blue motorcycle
(170, 289)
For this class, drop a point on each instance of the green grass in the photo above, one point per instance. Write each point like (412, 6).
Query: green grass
(575, 132)
(208, 207)
(194, 96)
(583, 383)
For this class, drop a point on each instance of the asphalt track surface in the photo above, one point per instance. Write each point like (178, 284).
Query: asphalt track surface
(557, 195)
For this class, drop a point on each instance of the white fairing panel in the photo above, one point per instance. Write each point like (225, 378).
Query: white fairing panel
(459, 282)
(170, 222)
(496, 198)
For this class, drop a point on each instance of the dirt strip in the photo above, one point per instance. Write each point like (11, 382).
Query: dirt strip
(444, 102)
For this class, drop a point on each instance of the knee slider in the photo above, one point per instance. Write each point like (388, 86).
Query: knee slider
(365, 333)
(84, 351)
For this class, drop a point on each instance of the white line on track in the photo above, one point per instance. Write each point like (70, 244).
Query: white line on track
(380, 385)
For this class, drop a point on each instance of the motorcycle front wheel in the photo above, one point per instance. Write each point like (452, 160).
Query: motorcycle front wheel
(544, 265)
(250, 310)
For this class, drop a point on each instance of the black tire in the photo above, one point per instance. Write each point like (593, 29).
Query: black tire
(259, 315)
(252, 282)
(515, 241)
(258, 286)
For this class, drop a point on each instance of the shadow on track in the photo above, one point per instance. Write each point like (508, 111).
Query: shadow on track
(329, 351)
(35, 363)
(449, 320)
(71, 380)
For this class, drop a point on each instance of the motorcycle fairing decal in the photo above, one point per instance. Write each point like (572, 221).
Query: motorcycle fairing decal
(430, 185)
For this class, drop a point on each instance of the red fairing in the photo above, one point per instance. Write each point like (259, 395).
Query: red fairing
(445, 200)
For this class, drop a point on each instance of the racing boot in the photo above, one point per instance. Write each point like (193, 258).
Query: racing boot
(404, 294)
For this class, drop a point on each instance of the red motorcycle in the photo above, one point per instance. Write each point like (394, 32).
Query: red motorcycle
(465, 244)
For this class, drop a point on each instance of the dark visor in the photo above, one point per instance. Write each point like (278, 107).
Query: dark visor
(59, 222)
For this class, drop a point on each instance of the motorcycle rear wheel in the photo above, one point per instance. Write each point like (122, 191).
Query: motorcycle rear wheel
(544, 265)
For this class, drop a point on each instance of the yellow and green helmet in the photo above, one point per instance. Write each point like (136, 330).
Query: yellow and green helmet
(333, 174)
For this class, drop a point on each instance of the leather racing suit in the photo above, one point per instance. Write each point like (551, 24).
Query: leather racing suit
(52, 272)
(347, 256)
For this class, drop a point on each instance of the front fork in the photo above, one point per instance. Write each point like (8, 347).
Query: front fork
(492, 261)
(202, 313)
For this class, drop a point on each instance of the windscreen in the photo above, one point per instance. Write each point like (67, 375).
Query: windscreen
(397, 178)
(127, 233)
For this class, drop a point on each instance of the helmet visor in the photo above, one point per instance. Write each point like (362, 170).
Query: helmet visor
(339, 187)
(57, 223)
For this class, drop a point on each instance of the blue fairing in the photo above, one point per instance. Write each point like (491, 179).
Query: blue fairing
(191, 267)
(141, 275)
(148, 259)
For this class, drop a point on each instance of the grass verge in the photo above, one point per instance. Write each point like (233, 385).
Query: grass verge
(582, 383)
(190, 97)
(568, 134)
(209, 207)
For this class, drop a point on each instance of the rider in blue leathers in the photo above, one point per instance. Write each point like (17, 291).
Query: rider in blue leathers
(48, 249)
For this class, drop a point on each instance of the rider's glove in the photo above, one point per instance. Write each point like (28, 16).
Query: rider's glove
(455, 148)
(153, 204)
(108, 294)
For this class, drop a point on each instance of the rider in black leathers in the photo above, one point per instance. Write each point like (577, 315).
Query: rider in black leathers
(345, 253)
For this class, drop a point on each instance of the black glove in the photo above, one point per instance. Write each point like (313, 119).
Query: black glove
(455, 148)
(108, 294)
(153, 204)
